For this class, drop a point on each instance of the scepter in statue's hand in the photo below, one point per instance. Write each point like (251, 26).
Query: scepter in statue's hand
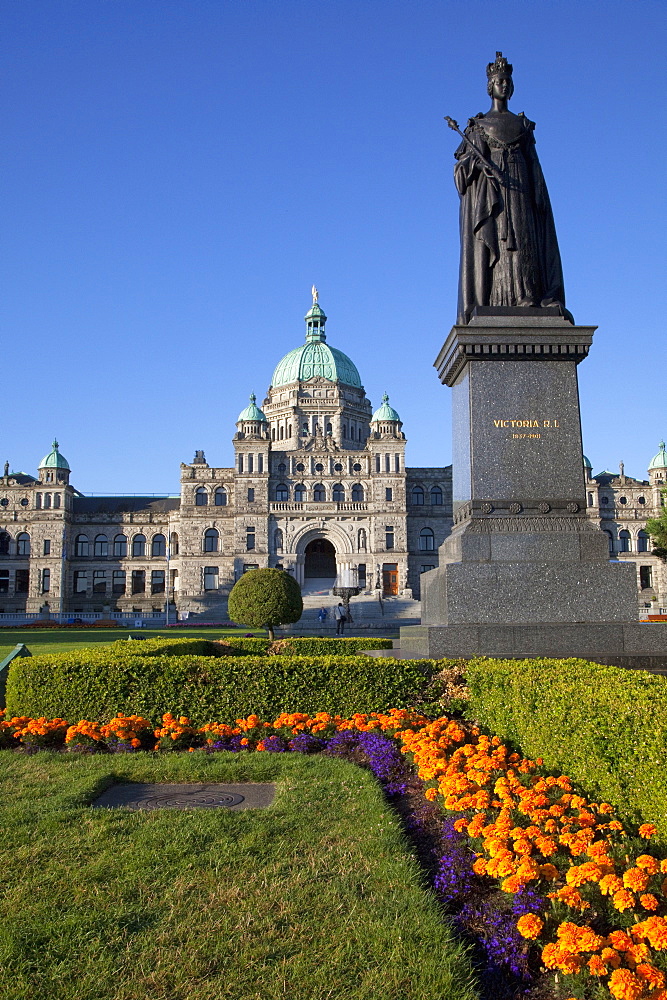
(480, 156)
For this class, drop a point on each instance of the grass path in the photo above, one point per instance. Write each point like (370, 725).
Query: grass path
(51, 640)
(316, 897)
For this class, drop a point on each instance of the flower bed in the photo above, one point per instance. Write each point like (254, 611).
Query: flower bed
(545, 878)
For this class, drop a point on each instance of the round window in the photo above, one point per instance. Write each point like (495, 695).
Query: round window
(338, 467)
(623, 500)
(319, 467)
(282, 467)
(4, 502)
(300, 467)
(641, 500)
(356, 467)
(24, 502)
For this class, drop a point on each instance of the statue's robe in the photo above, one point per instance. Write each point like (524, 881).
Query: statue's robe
(509, 250)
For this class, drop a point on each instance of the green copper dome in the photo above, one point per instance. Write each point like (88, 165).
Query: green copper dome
(587, 463)
(385, 412)
(252, 412)
(315, 359)
(54, 460)
(659, 461)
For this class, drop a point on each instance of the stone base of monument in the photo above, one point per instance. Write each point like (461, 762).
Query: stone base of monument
(624, 644)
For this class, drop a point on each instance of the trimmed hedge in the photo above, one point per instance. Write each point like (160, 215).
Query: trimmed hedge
(239, 647)
(604, 726)
(84, 684)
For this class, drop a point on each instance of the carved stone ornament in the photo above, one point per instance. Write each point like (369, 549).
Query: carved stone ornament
(573, 508)
(515, 508)
(544, 508)
(487, 508)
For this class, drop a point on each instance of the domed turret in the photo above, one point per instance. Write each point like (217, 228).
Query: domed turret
(657, 470)
(386, 420)
(54, 467)
(588, 468)
(252, 422)
(315, 359)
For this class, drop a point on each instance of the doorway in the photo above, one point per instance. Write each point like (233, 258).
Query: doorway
(389, 579)
(320, 560)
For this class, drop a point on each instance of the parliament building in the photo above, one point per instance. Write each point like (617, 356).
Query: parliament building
(319, 488)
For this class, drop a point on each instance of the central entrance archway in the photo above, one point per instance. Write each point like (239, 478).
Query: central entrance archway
(320, 561)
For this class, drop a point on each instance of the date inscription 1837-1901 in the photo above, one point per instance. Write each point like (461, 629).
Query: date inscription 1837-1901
(509, 250)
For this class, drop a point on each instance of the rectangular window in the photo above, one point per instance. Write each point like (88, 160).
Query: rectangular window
(645, 577)
(99, 581)
(250, 463)
(118, 584)
(157, 581)
(397, 463)
(389, 537)
(80, 581)
(425, 569)
(251, 495)
(389, 493)
(240, 463)
(387, 460)
(260, 463)
(47, 546)
(250, 539)
(46, 581)
(138, 581)
(361, 568)
(4, 581)
(377, 463)
(210, 577)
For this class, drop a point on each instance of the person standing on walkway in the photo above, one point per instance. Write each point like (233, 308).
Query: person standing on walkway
(339, 615)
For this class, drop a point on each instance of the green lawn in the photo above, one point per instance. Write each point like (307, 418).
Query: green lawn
(316, 897)
(49, 640)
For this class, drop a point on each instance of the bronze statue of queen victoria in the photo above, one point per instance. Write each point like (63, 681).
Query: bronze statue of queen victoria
(509, 250)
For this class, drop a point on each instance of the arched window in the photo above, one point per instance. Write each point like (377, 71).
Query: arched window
(643, 540)
(344, 430)
(282, 493)
(426, 540)
(304, 428)
(591, 500)
(289, 430)
(120, 547)
(273, 434)
(139, 545)
(281, 433)
(47, 501)
(352, 432)
(56, 500)
(278, 540)
(38, 500)
(101, 548)
(23, 544)
(319, 493)
(361, 539)
(357, 493)
(201, 497)
(173, 545)
(417, 496)
(221, 497)
(624, 541)
(81, 546)
(329, 429)
(610, 539)
(436, 496)
(211, 538)
(159, 545)
(299, 493)
(339, 493)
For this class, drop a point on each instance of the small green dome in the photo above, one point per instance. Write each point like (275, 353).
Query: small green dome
(587, 463)
(252, 412)
(315, 359)
(659, 461)
(385, 412)
(54, 460)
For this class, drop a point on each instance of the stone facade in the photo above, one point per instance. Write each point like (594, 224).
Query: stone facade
(319, 487)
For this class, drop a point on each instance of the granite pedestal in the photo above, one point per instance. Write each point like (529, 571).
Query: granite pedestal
(524, 572)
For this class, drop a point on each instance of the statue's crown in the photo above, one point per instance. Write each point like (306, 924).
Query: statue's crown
(501, 65)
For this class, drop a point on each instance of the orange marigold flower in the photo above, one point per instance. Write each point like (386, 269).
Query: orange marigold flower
(460, 824)
(431, 794)
(647, 830)
(548, 871)
(530, 926)
(611, 957)
(620, 940)
(648, 863)
(635, 879)
(597, 967)
(625, 985)
(648, 901)
(654, 977)
(610, 884)
(479, 867)
(623, 900)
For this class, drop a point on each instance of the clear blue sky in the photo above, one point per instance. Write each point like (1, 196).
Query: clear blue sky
(177, 173)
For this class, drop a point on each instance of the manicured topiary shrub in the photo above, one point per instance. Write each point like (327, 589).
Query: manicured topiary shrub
(265, 598)
(87, 685)
(604, 726)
